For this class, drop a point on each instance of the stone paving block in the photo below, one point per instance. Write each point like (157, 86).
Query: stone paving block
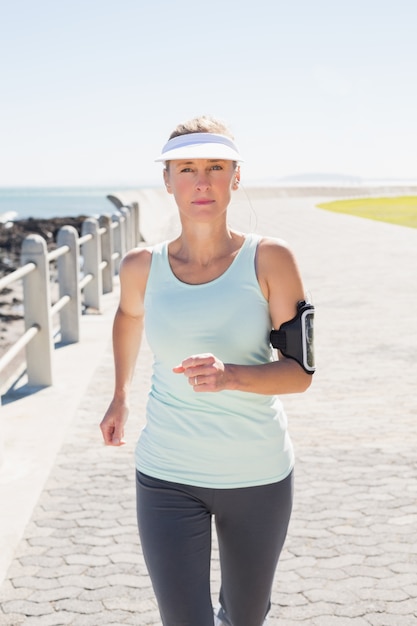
(330, 594)
(17, 569)
(291, 599)
(47, 542)
(58, 618)
(397, 581)
(52, 522)
(12, 619)
(103, 571)
(35, 530)
(118, 532)
(359, 609)
(403, 607)
(82, 538)
(126, 557)
(41, 561)
(10, 592)
(57, 593)
(299, 613)
(26, 607)
(81, 581)
(81, 607)
(115, 549)
(65, 569)
(288, 622)
(378, 619)
(369, 571)
(34, 582)
(127, 538)
(104, 617)
(69, 549)
(107, 592)
(326, 620)
(133, 605)
(125, 580)
(411, 590)
(86, 559)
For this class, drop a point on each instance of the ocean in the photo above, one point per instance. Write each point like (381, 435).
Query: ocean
(42, 203)
(48, 202)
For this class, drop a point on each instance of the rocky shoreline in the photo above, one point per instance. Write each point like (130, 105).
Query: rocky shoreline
(12, 234)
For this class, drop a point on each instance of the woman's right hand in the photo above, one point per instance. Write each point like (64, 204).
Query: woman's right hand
(113, 422)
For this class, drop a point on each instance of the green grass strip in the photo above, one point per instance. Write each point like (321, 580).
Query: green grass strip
(401, 210)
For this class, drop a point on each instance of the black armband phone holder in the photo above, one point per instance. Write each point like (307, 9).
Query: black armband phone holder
(295, 338)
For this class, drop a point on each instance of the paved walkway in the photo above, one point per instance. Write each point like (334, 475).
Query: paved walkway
(73, 554)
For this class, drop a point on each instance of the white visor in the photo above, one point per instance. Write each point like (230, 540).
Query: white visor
(200, 146)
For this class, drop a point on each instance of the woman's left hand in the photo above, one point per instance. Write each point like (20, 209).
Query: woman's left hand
(205, 372)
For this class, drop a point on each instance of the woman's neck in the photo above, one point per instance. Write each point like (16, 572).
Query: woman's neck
(203, 245)
(197, 259)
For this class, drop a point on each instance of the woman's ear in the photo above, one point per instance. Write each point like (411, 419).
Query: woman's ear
(166, 180)
(236, 179)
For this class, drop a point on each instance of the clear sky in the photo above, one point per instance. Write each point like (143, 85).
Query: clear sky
(91, 89)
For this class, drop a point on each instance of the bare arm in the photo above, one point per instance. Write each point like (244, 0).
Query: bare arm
(280, 281)
(127, 335)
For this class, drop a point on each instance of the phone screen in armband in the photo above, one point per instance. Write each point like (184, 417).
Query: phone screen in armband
(307, 329)
(295, 338)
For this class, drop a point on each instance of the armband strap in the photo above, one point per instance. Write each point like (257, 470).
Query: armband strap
(295, 338)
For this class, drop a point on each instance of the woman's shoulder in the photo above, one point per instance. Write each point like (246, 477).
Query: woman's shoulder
(274, 249)
(137, 259)
(275, 259)
(135, 266)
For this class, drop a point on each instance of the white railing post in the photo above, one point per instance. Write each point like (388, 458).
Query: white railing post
(107, 253)
(134, 222)
(119, 238)
(68, 278)
(91, 252)
(127, 227)
(136, 213)
(37, 311)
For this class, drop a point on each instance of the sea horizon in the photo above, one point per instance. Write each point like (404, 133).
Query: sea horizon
(56, 201)
(46, 202)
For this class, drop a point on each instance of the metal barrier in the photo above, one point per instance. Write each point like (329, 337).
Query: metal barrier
(86, 268)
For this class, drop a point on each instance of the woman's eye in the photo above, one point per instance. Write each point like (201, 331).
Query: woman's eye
(216, 167)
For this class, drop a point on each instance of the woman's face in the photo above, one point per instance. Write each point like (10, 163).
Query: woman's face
(201, 187)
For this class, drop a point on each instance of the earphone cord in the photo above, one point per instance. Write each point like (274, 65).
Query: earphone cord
(252, 210)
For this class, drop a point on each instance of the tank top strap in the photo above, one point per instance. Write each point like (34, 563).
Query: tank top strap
(160, 264)
(244, 263)
(250, 245)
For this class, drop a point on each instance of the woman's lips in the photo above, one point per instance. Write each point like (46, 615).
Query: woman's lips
(203, 201)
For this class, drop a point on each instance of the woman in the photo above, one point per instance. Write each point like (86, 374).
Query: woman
(215, 442)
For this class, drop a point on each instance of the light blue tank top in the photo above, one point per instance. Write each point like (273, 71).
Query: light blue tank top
(223, 439)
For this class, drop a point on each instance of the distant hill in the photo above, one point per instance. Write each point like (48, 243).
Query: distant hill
(321, 179)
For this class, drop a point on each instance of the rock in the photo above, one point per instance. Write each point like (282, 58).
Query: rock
(13, 233)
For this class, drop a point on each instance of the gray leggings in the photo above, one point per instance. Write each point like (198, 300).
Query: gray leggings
(175, 530)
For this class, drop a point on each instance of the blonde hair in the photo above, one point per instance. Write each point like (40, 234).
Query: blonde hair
(202, 124)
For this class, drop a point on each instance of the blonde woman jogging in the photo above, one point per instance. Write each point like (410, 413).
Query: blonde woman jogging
(215, 443)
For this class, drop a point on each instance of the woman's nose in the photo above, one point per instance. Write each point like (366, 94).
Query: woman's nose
(202, 181)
